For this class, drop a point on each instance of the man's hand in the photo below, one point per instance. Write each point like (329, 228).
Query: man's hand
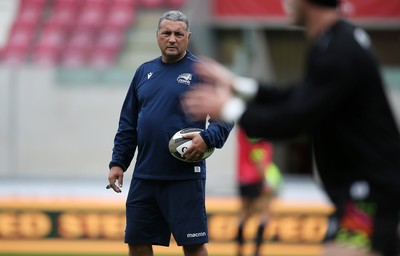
(116, 174)
(204, 100)
(213, 73)
(209, 97)
(196, 151)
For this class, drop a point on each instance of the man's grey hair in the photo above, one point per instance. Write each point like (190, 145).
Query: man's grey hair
(174, 16)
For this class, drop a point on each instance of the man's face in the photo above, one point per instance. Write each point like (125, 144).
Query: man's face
(173, 39)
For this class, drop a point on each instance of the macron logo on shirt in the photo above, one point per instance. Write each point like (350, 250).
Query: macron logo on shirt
(149, 75)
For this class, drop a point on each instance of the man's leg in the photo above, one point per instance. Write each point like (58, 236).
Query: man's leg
(194, 250)
(140, 250)
(385, 237)
(145, 224)
(367, 225)
(183, 204)
(244, 214)
(264, 204)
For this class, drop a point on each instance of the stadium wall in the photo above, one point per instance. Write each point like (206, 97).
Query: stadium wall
(50, 129)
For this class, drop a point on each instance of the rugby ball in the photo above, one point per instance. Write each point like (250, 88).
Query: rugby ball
(178, 145)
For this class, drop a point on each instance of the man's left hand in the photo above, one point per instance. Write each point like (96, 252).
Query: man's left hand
(196, 151)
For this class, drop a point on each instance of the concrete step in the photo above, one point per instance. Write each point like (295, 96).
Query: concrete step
(141, 45)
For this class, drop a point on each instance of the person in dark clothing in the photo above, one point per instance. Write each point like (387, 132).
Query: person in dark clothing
(166, 196)
(342, 104)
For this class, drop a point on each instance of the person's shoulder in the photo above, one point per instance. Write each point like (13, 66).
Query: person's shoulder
(155, 61)
(351, 36)
(144, 69)
(148, 65)
(191, 57)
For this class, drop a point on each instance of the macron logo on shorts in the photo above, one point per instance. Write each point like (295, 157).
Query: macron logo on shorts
(194, 235)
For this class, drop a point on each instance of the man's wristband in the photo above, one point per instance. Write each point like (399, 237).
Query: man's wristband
(245, 88)
(233, 109)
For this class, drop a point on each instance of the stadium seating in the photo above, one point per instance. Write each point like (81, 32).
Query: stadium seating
(120, 18)
(73, 33)
(48, 46)
(62, 18)
(151, 3)
(175, 4)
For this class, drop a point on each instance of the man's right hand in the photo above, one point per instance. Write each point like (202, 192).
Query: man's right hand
(116, 174)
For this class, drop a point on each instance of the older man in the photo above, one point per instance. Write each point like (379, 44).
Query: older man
(166, 195)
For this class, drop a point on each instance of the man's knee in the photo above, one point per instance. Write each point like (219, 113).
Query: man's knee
(195, 250)
(140, 250)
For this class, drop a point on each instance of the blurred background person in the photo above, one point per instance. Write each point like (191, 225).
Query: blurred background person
(258, 179)
(341, 102)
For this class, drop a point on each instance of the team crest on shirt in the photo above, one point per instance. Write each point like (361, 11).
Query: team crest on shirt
(185, 78)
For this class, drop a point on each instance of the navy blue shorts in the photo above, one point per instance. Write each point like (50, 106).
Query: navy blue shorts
(251, 191)
(155, 209)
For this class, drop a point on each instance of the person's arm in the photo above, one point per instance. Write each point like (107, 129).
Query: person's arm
(247, 90)
(125, 140)
(214, 136)
(216, 133)
(332, 84)
(224, 95)
(250, 89)
(116, 174)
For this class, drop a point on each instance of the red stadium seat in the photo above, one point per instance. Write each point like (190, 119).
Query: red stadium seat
(46, 56)
(13, 55)
(49, 45)
(67, 4)
(151, 3)
(91, 18)
(20, 37)
(36, 4)
(97, 4)
(29, 16)
(175, 4)
(127, 4)
(120, 18)
(72, 33)
(64, 18)
(110, 41)
(2, 53)
(109, 45)
(51, 39)
(81, 40)
(22, 33)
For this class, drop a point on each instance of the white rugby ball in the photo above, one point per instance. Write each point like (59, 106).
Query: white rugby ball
(178, 145)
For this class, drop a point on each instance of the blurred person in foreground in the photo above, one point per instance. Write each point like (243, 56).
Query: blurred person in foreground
(166, 195)
(258, 181)
(341, 102)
